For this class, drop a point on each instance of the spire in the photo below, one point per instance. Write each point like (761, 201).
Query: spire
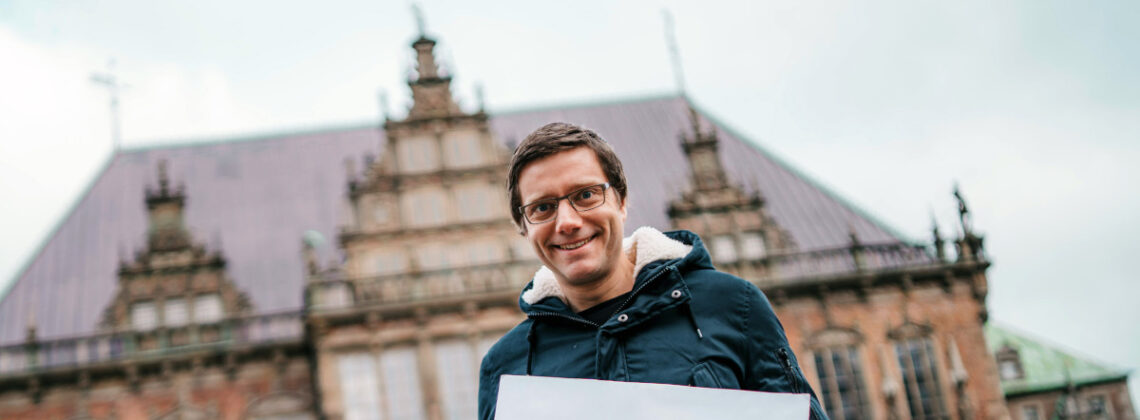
(702, 150)
(939, 244)
(963, 212)
(426, 68)
(382, 96)
(165, 206)
(970, 246)
(424, 46)
(419, 15)
(674, 55)
(480, 98)
(431, 91)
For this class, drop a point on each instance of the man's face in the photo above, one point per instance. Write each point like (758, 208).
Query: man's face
(559, 242)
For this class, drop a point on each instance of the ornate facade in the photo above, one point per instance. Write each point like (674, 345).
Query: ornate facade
(178, 340)
(426, 268)
(432, 270)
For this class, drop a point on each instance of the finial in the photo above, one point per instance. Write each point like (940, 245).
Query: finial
(479, 97)
(963, 211)
(933, 222)
(163, 179)
(695, 120)
(674, 55)
(110, 81)
(938, 243)
(308, 252)
(30, 333)
(419, 15)
(383, 97)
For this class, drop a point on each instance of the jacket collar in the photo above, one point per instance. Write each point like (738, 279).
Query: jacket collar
(651, 245)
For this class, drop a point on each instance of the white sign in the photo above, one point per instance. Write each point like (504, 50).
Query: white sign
(540, 397)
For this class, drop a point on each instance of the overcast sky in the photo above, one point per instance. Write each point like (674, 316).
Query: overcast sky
(1032, 106)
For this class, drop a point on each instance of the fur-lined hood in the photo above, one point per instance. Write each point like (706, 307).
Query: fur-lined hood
(651, 245)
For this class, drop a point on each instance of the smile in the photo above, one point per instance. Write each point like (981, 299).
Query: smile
(574, 245)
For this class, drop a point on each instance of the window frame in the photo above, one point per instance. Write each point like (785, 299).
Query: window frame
(724, 249)
(133, 311)
(169, 303)
(930, 383)
(206, 301)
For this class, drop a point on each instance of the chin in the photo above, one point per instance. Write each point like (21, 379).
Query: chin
(581, 275)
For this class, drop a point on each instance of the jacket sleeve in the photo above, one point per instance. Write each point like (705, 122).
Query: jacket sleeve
(772, 366)
(488, 389)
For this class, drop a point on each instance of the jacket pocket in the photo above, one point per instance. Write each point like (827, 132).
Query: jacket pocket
(702, 376)
(790, 370)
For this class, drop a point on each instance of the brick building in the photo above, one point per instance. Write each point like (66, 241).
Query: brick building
(361, 272)
(1041, 381)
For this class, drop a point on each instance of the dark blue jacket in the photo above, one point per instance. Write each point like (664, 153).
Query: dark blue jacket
(685, 324)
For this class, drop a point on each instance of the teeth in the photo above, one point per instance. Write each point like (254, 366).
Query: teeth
(575, 245)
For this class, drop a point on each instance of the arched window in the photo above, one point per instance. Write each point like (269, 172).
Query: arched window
(842, 387)
(916, 356)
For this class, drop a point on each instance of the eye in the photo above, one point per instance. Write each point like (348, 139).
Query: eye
(541, 207)
(586, 195)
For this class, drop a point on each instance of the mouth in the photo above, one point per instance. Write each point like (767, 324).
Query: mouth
(574, 245)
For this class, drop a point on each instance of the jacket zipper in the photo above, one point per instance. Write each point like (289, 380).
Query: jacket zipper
(619, 309)
(789, 371)
(558, 315)
(643, 285)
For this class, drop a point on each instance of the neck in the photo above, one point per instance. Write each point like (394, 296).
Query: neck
(618, 282)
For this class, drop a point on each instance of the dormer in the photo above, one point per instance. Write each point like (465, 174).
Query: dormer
(733, 223)
(173, 283)
(1009, 363)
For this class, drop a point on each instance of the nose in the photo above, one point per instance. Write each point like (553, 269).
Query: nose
(568, 220)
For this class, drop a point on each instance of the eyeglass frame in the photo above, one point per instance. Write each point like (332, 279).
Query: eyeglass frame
(557, 200)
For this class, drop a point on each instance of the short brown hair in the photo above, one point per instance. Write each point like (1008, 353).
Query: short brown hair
(554, 138)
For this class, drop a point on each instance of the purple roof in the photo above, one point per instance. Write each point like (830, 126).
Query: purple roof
(254, 199)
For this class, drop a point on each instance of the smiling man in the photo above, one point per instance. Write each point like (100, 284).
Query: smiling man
(647, 308)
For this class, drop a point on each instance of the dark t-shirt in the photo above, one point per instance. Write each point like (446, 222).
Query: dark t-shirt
(602, 312)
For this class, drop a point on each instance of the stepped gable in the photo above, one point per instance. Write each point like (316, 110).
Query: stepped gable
(257, 197)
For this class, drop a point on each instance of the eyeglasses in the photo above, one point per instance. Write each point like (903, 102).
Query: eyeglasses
(583, 199)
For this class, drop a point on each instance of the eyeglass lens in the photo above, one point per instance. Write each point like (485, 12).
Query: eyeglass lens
(584, 199)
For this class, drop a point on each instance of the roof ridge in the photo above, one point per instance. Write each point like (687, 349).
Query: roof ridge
(1055, 348)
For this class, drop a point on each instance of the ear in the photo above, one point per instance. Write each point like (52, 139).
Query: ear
(622, 209)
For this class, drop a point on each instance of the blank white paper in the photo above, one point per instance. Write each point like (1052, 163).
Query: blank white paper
(540, 397)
